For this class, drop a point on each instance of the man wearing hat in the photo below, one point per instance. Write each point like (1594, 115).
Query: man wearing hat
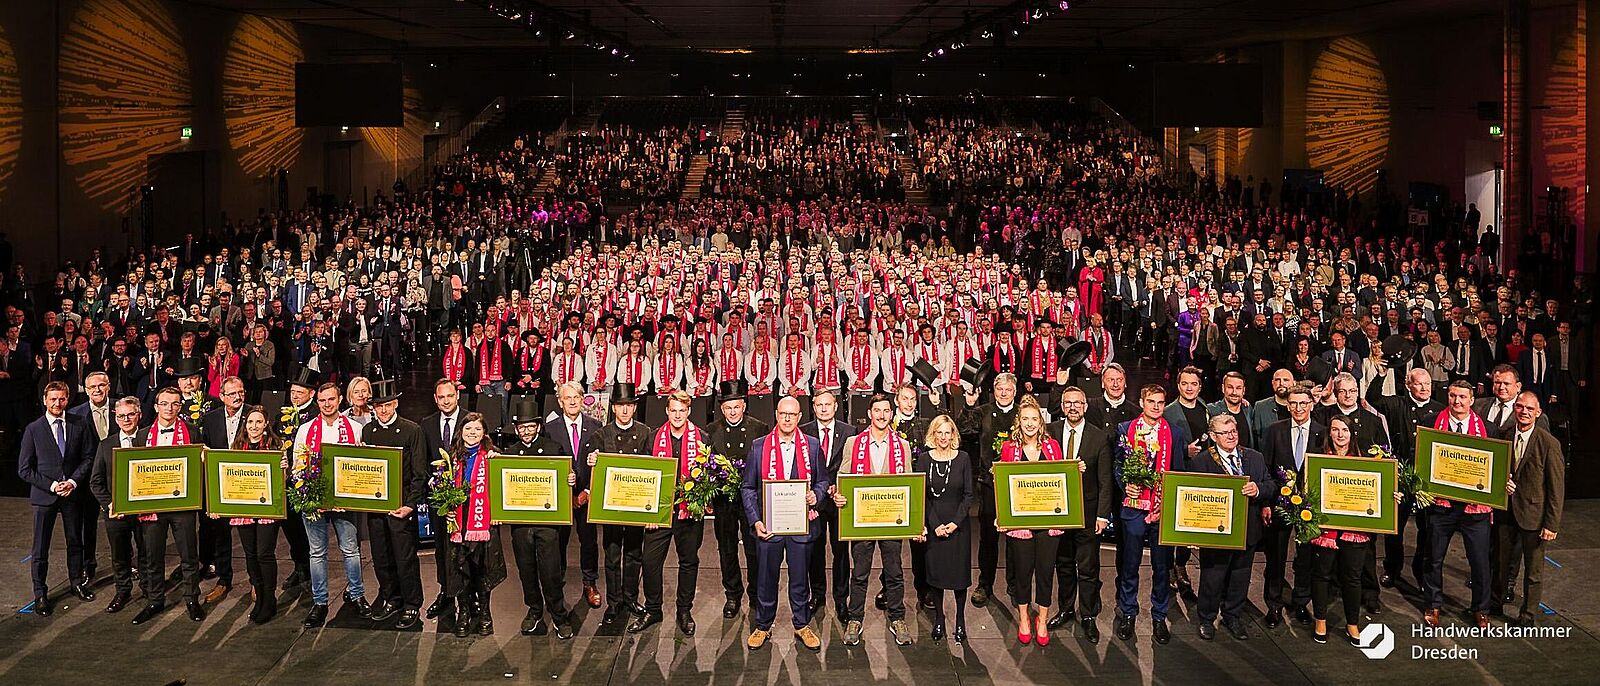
(624, 544)
(541, 559)
(303, 384)
(987, 421)
(394, 534)
(731, 436)
(572, 431)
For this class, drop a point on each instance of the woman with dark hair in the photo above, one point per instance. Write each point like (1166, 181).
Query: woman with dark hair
(259, 537)
(1338, 556)
(474, 563)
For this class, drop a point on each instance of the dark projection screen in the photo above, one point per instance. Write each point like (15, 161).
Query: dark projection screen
(358, 94)
(1207, 95)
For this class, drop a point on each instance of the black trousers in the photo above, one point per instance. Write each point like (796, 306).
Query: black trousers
(260, 543)
(216, 548)
(1078, 571)
(1443, 524)
(588, 545)
(44, 524)
(441, 543)
(1339, 569)
(185, 530)
(1031, 563)
(89, 528)
(894, 592)
(1394, 546)
(541, 568)
(294, 531)
(684, 536)
(624, 559)
(829, 545)
(919, 569)
(124, 536)
(732, 533)
(1224, 583)
(1276, 539)
(1517, 547)
(394, 559)
(988, 539)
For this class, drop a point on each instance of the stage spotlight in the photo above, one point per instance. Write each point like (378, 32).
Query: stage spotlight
(1064, 5)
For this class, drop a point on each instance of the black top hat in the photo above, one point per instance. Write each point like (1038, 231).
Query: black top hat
(925, 372)
(189, 366)
(1076, 353)
(972, 373)
(625, 393)
(384, 390)
(524, 410)
(305, 377)
(627, 334)
(732, 390)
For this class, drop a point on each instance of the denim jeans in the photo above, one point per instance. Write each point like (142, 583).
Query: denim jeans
(344, 527)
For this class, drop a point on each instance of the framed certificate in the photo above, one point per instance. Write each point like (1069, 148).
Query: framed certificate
(361, 478)
(1204, 510)
(1038, 495)
(158, 479)
(881, 506)
(530, 490)
(1355, 493)
(783, 507)
(632, 490)
(1463, 468)
(245, 483)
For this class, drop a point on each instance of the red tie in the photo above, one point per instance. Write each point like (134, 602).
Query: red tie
(826, 431)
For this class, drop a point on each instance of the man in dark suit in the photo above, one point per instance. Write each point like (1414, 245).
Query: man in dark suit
(1538, 370)
(55, 459)
(439, 429)
(97, 413)
(122, 531)
(795, 456)
(168, 429)
(218, 429)
(1539, 474)
(1340, 359)
(1225, 574)
(1473, 359)
(831, 435)
(394, 534)
(1404, 413)
(1078, 557)
(572, 430)
(1498, 410)
(1138, 535)
(1286, 443)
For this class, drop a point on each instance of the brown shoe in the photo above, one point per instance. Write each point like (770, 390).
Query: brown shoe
(808, 638)
(217, 592)
(1482, 618)
(591, 595)
(757, 639)
(1431, 617)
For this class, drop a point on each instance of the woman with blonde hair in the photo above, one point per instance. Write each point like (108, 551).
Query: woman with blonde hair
(1031, 555)
(946, 542)
(359, 393)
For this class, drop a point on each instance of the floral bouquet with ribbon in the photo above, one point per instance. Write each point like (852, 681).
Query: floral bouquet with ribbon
(1410, 482)
(307, 487)
(197, 407)
(1297, 510)
(1136, 468)
(711, 478)
(288, 422)
(445, 493)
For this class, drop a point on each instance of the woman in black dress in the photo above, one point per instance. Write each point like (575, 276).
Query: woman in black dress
(946, 540)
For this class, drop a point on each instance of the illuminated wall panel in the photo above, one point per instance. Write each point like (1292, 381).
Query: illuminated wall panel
(10, 112)
(1347, 115)
(400, 146)
(258, 95)
(1564, 128)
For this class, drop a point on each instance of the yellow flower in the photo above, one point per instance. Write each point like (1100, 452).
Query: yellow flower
(1305, 515)
(696, 472)
(1295, 500)
(688, 485)
(1283, 491)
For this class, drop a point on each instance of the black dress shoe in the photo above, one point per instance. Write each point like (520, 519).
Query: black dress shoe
(564, 631)
(730, 609)
(42, 607)
(814, 605)
(1303, 617)
(926, 601)
(1374, 609)
(1274, 619)
(638, 610)
(149, 612)
(1060, 619)
(686, 623)
(1091, 633)
(1509, 596)
(295, 579)
(440, 605)
(1386, 581)
(118, 601)
(408, 619)
(980, 596)
(960, 634)
(1124, 627)
(462, 624)
(197, 612)
(644, 621)
(938, 631)
(383, 611)
(1162, 633)
(1208, 631)
(1236, 630)
(363, 608)
(83, 592)
(610, 618)
(880, 602)
(317, 617)
(533, 625)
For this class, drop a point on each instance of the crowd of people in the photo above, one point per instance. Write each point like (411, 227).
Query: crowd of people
(1066, 303)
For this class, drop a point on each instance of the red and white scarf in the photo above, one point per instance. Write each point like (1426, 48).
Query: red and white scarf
(702, 379)
(180, 436)
(566, 370)
(455, 362)
(1042, 360)
(347, 433)
(772, 459)
(792, 368)
(730, 363)
(897, 363)
(1149, 499)
(667, 371)
(1009, 364)
(536, 354)
(1475, 427)
(861, 455)
(474, 513)
(827, 376)
(759, 366)
(861, 361)
(490, 367)
(1099, 344)
(691, 446)
(634, 364)
(961, 351)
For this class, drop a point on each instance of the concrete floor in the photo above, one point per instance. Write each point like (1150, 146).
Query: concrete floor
(82, 644)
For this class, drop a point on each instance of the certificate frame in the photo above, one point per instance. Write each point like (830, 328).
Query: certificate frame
(849, 486)
(1173, 483)
(766, 507)
(1385, 519)
(1072, 518)
(276, 506)
(1429, 440)
(124, 459)
(559, 512)
(388, 499)
(667, 488)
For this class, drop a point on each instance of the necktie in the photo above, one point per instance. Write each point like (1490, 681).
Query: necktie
(1299, 446)
(1455, 425)
(127, 441)
(1517, 455)
(1231, 463)
(1538, 366)
(827, 440)
(575, 441)
(447, 421)
(61, 436)
(1072, 443)
(1494, 416)
(100, 425)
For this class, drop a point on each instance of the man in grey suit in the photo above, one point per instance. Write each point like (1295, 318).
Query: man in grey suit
(830, 434)
(1538, 478)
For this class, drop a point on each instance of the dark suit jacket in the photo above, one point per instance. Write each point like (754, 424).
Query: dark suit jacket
(40, 462)
(750, 491)
(214, 428)
(1254, 466)
(1094, 449)
(556, 430)
(100, 475)
(842, 431)
(1278, 445)
(417, 461)
(1547, 386)
(1508, 420)
(81, 411)
(1541, 478)
(1369, 428)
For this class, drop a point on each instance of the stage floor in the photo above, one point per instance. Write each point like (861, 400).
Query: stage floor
(82, 644)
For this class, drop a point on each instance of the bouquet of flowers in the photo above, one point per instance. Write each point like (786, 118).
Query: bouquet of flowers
(197, 407)
(999, 444)
(307, 488)
(288, 422)
(444, 494)
(1136, 467)
(1299, 511)
(711, 478)
(1410, 482)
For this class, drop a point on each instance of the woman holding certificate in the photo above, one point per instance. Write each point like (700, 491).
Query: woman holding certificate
(1031, 555)
(947, 544)
(259, 537)
(474, 561)
(1339, 556)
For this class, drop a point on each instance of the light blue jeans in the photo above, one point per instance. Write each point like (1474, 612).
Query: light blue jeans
(344, 527)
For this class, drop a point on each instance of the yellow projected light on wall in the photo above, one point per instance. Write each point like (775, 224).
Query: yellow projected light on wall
(400, 146)
(10, 112)
(125, 94)
(258, 95)
(1347, 115)
(1565, 129)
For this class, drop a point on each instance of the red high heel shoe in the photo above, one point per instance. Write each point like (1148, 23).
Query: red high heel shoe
(1023, 638)
(1041, 632)
(1042, 638)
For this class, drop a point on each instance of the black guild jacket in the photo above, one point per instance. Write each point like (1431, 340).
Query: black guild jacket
(416, 466)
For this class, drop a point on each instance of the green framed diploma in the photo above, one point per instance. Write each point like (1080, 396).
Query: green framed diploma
(530, 490)
(361, 478)
(159, 479)
(1355, 493)
(632, 490)
(881, 506)
(1038, 495)
(1204, 510)
(1463, 468)
(245, 483)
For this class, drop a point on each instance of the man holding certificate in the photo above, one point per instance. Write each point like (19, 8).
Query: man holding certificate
(168, 429)
(784, 480)
(878, 451)
(394, 534)
(679, 439)
(541, 563)
(1225, 574)
(1446, 518)
(624, 544)
(1078, 558)
(122, 531)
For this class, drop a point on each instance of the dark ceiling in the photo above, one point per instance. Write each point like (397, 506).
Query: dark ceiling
(855, 24)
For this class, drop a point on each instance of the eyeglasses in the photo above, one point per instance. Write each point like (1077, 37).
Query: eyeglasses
(1230, 432)
(127, 415)
(1299, 403)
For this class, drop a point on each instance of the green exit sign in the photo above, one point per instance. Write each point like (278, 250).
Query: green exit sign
(186, 132)
(1495, 130)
